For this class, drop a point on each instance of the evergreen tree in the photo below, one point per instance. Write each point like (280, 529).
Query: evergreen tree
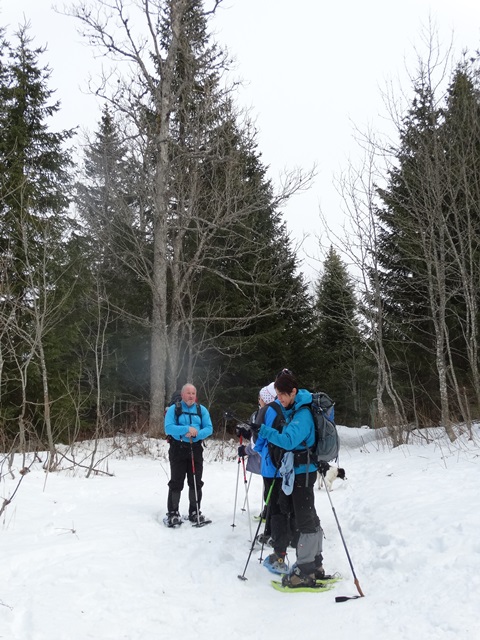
(427, 242)
(210, 270)
(460, 133)
(34, 180)
(109, 201)
(341, 369)
(406, 226)
(238, 331)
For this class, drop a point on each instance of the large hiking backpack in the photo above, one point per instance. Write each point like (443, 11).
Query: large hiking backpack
(327, 441)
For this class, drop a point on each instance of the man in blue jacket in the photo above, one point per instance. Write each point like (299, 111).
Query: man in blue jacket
(186, 425)
(298, 436)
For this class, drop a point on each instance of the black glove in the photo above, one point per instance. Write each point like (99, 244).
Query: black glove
(242, 451)
(323, 467)
(255, 428)
(243, 431)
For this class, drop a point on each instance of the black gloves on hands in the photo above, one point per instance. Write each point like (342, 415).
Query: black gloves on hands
(243, 431)
(255, 428)
(323, 467)
(242, 451)
(247, 429)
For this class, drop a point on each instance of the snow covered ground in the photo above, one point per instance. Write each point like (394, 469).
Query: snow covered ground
(90, 558)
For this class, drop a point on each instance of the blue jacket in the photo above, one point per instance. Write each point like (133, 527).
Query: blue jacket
(178, 427)
(298, 434)
(268, 469)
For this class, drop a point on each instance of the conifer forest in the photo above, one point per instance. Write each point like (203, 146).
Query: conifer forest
(155, 252)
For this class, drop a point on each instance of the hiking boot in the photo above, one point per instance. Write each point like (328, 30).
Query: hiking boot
(193, 517)
(297, 579)
(319, 573)
(174, 519)
(276, 563)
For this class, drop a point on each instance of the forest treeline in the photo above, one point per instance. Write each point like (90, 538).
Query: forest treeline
(155, 252)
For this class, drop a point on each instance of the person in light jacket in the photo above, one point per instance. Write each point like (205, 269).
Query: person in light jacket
(187, 424)
(298, 436)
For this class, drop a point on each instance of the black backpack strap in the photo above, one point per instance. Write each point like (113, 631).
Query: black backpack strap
(179, 411)
(304, 457)
(276, 452)
(277, 423)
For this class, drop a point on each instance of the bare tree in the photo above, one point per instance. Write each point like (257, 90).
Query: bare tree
(192, 147)
(359, 191)
(461, 133)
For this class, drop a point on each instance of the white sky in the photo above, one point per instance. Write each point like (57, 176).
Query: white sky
(313, 71)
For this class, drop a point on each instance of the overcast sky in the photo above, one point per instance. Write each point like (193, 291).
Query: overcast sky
(312, 72)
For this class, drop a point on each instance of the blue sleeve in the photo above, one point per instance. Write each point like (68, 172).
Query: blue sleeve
(206, 428)
(186, 420)
(171, 426)
(297, 432)
(269, 416)
(268, 419)
(260, 444)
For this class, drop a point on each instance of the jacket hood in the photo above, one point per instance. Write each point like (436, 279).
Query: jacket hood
(303, 397)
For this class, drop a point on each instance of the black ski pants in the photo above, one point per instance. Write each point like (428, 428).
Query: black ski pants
(181, 466)
(280, 522)
(310, 538)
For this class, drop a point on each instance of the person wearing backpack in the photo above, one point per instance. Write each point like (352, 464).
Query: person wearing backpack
(187, 424)
(279, 526)
(266, 395)
(297, 435)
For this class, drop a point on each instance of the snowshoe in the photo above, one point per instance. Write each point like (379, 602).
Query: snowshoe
(297, 579)
(173, 520)
(276, 564)
(317, 588)
(198, 520)
(329, 578)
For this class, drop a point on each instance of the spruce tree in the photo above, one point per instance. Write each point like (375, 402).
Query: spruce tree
(211, 274)
(342, 370)
(34, 170)
(427, 242)
(107, 198)
(406, 224)
(460, 134)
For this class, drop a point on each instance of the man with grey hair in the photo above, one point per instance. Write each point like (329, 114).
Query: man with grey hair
(187, 424)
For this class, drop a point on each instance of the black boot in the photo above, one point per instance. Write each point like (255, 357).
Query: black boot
(173, 501)
(297, 578)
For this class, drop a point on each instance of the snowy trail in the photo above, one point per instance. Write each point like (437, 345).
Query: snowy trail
(90, 559)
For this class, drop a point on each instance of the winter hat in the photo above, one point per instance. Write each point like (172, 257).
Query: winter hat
(267, 395)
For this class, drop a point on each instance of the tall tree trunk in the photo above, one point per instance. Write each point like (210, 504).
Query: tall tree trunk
(52, 461)
(159, 340)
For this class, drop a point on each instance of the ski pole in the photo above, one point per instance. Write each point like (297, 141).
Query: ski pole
(236, 495)
(248, 489)
(229, 415)
(355, 579)
(245, 483)
(199, 524)
(267, 516)
(267, 501)
(236, 490)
